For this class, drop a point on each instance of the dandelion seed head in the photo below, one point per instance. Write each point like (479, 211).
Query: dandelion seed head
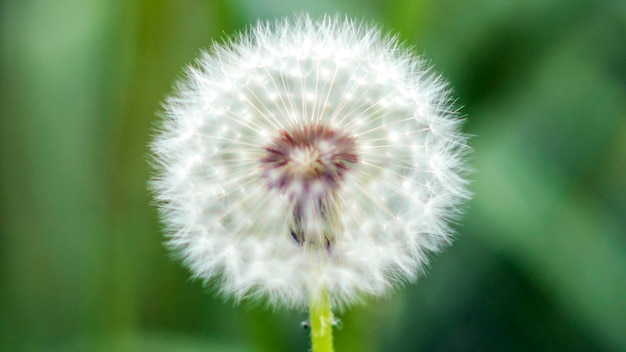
(308, 154)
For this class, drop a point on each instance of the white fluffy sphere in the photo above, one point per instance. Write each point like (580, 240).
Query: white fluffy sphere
(305, 156)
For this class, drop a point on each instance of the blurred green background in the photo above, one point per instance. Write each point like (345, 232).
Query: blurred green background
(540, 260)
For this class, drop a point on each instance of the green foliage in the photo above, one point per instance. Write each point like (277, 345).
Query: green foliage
(540, 261)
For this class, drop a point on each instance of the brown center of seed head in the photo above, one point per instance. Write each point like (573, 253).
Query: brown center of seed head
(308, 161)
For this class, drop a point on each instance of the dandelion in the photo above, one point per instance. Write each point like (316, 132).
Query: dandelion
(309, 163)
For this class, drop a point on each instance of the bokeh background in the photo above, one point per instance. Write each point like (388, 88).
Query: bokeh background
(540, 260)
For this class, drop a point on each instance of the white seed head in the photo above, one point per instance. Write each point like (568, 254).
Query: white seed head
(305, 155)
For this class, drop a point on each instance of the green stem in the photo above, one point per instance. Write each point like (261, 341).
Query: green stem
(321, 322)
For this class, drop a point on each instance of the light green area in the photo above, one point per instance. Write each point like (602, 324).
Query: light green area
(320, 311)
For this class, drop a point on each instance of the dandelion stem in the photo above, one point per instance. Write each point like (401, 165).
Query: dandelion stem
(321, 322)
